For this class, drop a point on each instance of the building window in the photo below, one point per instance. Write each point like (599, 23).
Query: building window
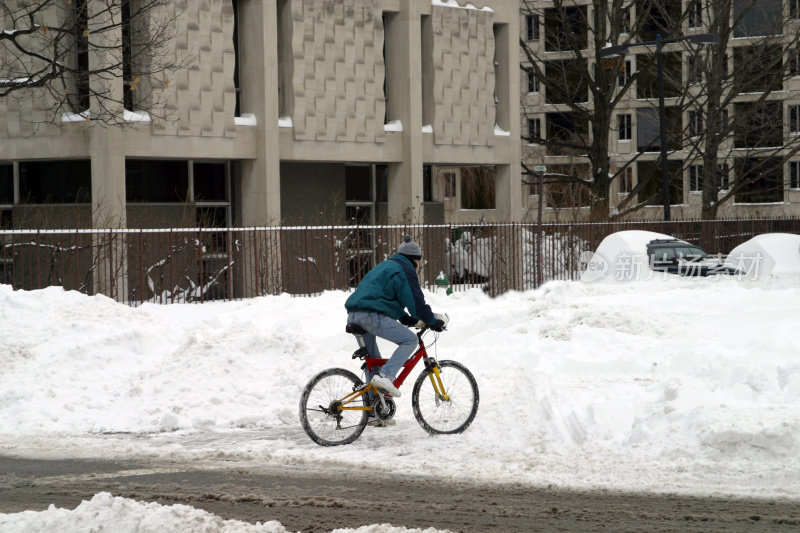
(695, 178)
(648, 175)
(477, 188)
(449, 182)
(564, 132)
(566, 194)
(623, 74)
(724, 176)
(156, 181)
(762, 179)
(6, 184)
(794, 118)
(624, 130)
(566, 28)
(6, 203)
(625, 180)
(626, 21)
(695, 14)
(647, 82)
(533, 81)
(427, 184)
(695, 123)
(658, 17)
(55, 182)
(237, 71)
(758, 124)
(769, 75)
(694, 70)
(572, 87)
(80, 101)
(648, 129)
(534, 130)
(794, 174)
(211, 186)
(758, 19)
(532, 27)
(130, 80)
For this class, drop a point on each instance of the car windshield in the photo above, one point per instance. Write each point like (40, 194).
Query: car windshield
(674, 253)
(690, 253)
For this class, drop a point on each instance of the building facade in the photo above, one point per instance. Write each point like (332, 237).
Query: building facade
(286, 112)
(758, 162)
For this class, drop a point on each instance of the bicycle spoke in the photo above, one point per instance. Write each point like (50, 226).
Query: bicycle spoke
(320, 408)
(439, 415)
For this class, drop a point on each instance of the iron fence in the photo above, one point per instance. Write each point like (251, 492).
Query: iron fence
(197, 265)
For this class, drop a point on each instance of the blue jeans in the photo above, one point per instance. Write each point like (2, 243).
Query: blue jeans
(378, 325)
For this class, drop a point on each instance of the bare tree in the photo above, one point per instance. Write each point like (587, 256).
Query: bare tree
(734, 103)
(562, 55)
(75, 53)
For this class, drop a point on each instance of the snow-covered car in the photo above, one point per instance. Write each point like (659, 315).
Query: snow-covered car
(675, 256)
(637, 255)
(767, 254)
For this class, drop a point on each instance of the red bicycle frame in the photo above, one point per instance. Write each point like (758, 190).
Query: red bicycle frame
(374, 363)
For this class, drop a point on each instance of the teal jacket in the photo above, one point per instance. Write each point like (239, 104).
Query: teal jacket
(388, 289)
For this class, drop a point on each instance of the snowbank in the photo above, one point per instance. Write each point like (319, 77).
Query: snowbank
(684, 384)
(107, 513)
(768, 254)
(621, 257)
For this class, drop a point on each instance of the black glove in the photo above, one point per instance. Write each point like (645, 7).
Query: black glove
(437, 325)
(408, 320)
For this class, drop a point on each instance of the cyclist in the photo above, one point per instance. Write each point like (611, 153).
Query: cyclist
(380, 301)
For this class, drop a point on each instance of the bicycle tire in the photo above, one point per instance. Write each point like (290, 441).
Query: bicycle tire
(440, 417)
(321, 392)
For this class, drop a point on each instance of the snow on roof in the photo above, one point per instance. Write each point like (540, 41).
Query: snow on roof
(135, 116)
(453, 3)
(68, 116)
(246, 119)
(394, 125)
(500, 131)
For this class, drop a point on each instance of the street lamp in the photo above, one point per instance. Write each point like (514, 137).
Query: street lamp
(622, 49)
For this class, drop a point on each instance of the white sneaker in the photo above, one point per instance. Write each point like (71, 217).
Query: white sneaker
(385, 384)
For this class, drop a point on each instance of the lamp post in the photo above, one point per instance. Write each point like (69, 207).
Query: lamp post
(622, 49)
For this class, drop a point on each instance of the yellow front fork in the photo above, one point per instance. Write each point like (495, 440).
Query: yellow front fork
(438, 386)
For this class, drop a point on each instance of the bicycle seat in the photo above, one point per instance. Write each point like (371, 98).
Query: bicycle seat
(354, 329)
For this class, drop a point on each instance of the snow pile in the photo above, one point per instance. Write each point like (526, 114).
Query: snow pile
(121, 515)
(680, 384)
(472, 256)
(621, 257)
(768, 254)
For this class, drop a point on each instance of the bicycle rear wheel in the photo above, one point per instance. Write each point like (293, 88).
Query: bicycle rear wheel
(319, 413)
(438, 415)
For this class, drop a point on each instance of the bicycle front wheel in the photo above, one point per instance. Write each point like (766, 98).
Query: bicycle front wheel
(446, 411)
(321, 405)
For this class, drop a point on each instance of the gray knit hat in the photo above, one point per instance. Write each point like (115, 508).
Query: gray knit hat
(409, 248)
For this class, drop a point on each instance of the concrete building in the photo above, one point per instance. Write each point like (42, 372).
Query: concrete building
(290, 112)
(773, 189)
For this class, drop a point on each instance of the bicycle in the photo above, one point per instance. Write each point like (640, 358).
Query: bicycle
(335, 405)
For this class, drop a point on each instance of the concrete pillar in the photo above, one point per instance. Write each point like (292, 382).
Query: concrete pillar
(258, 27)
(404, 82)
(508, 189)
(106, 150)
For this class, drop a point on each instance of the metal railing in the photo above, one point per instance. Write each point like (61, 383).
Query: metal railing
(197, 265)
